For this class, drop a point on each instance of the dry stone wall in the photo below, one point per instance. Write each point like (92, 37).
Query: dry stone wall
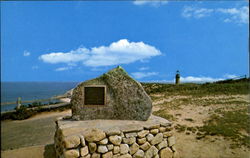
(152, 140)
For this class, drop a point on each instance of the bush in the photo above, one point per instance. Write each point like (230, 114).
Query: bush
(22, 113)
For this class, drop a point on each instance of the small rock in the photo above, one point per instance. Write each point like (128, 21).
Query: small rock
(173, 148)
(152, 151)
(73, 153)
(129, 140)
(116, 149)
(72, 141)
(104, 141)
(108, 155)
(87, 156)
(125, 156)
(157, 139)
(116, 140)
(94, 135)
(116, 156)
(110, 147)
(162, 129)
(154, 131)
(167, 134)
(124, 148)
(134, 148)
(84, 151)
(150, 137)
(92, 147)
(145, 146)
(96, 155)
(152, 126)
(156, 156)
(171, 141)
(143, 133)
(141, 141)
(102, 149)
(139, 154)
(83, 143)
(163, 144)
(133, 134)
(166, 153)
(113, 131)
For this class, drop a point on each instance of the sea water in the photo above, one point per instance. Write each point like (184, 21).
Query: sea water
(10, 91)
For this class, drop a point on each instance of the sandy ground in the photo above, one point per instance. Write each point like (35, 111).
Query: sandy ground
(33, 138)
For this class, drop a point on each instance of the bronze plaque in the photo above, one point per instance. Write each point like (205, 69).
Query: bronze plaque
(94, 95)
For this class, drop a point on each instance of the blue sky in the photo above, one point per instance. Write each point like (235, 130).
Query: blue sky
(80, 40)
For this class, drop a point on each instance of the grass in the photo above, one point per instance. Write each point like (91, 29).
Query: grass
(229, 88)
(229, 124)
(162, 113)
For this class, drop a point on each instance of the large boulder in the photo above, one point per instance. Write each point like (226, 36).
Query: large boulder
(125, 98)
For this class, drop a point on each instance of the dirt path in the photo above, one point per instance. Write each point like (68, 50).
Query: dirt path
(38, 130)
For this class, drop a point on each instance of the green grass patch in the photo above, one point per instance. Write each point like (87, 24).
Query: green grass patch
(235, 87)
(163, 113)
(229, 124)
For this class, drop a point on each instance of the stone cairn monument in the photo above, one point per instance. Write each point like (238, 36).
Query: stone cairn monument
(111, 118)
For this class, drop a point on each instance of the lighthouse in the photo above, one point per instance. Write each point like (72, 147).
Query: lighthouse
(177, 77)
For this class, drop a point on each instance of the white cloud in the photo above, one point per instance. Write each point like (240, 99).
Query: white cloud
(189, 12)
(26, 53)
(63, 68)
(140, 75)
(236, 15)
(120, 52)
(229, 76)
(143, 68)
(199, 79)
(154, 3)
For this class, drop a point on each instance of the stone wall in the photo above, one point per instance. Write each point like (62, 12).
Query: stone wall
(115, 139)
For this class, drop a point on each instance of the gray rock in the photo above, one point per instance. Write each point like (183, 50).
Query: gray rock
(150, 137)
(94, 135)
(139, 154)
(141, 141)
(152, 151)
(154, 131)
(73, 153)
(125, 98)
(145, 146)
(163, 144)
(129, 140)
(102, 149)
(96, 155)
(166, 153)
(108, 155)
(84, 151)
(125, 156)
(110, 146)
(116, 140)
(157, 139)
(92, 147)
(116, 149)
(71, 141)
(143, 133)
(134, 148)
(124, 148)
(104, 141)
(171, 141)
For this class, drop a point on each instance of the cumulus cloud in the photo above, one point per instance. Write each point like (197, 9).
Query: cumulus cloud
(199, 79)
(155, 3)
(62, 68)
(236, 15)
(140, 75)
(26, 53)
(120, 52)
(189, 12)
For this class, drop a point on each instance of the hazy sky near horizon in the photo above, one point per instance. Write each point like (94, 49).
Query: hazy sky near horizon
(80, 40)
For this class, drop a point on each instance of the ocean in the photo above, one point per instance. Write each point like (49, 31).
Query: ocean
(10, 91)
